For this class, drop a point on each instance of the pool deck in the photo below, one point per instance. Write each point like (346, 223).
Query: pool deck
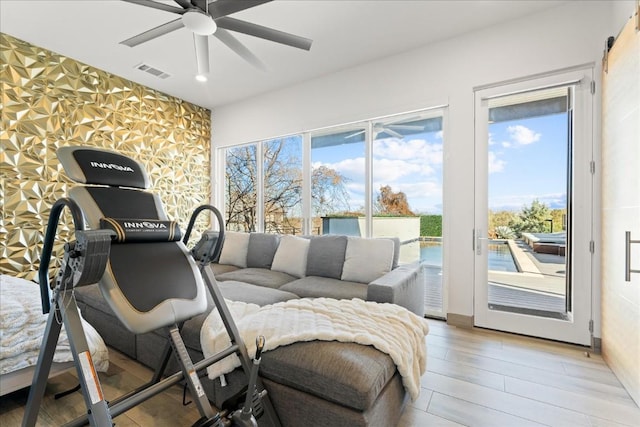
(538, 285)
(537, 272)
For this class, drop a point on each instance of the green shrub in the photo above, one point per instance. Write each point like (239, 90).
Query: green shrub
(431, 225)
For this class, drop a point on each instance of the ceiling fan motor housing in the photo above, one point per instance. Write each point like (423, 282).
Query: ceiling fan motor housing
(199, 22)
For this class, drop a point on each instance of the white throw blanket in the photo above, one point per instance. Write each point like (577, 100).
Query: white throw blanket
(389, 328)
(22, 326)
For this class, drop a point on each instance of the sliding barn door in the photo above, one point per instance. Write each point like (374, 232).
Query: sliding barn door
(621, 208)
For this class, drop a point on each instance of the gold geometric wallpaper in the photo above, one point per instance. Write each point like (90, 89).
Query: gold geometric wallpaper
(49, 101)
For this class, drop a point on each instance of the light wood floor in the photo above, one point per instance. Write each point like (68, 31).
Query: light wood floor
(474, 378)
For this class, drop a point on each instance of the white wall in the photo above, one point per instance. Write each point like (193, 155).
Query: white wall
(442, 73)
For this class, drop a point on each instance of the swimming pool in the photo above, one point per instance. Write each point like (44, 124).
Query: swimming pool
(500, 258)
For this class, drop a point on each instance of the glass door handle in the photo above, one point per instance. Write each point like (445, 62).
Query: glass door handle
(478, 241)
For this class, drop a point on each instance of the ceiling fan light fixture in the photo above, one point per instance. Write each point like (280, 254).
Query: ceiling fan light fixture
(201, 78)
(199, 22)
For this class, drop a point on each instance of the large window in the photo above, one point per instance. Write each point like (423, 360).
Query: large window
(275, 167)
(377, 178)
(338, 180)
(282, 171)
(241, 196)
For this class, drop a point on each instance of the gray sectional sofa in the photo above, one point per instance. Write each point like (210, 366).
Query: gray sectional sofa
(332, 266)
(315, 383)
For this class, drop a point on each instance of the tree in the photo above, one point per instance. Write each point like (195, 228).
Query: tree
(282, 180)
(392, 203)
(282, 187)
(532, 219)
(328, 191)
(241, 183)
(559, 219)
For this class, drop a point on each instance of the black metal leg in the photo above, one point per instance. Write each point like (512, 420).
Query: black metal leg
(45, 358)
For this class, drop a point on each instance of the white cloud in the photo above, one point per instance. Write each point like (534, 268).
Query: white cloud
(522, 135)
(516, 202)
(418, 150)
(417, 190)
(495, 164)
(387, 170)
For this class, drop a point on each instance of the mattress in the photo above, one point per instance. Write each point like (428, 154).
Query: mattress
(22, 326)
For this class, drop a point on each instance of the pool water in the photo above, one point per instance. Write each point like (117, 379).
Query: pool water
(500, 258)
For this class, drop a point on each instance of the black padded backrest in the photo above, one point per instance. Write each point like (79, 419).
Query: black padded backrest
(96, 166)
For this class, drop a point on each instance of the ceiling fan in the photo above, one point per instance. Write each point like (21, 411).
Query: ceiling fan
(389, 129)
(210, 17)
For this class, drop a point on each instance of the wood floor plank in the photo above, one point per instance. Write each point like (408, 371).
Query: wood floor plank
(467, 373)
(414, 417)
(613, 393)
(422, 402)
(436, 351)
(589, 405)
(518, 406)
(594, 374)
(470, 414)
(599, 422)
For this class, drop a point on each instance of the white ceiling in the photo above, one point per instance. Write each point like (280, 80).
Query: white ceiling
(345, 33)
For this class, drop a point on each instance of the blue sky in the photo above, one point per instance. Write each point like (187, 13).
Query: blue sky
(412, 165)
(527, 161)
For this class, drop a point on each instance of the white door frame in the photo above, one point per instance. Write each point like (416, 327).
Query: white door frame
(577, 328)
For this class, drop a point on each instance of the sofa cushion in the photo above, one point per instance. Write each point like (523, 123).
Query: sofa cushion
(314, 286)
(257, 276)
(291, 256)
(235, 248)
(219, 269)
(396, 251)
(367, 259)
(262, 248)
(350, 374)
(326, 256)
(239, 291)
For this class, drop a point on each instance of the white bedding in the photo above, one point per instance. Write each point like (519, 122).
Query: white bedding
(390, 328)
(22, 326)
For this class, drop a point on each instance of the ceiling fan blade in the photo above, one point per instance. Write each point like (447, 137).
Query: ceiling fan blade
(405, 127)
(266, 33)
(161, 6)
(221, 8)
(153, 33)
(354, 134)
(392, 132)
(235, 45)
(185, 4)
(202, 53)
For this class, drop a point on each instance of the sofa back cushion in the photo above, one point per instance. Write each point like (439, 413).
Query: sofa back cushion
(367, 259)
(326, 256)
(291, 256)
(234, 249)
(262, 248)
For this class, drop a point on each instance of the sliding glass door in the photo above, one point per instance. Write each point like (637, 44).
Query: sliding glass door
(407, 183)
(533, 207)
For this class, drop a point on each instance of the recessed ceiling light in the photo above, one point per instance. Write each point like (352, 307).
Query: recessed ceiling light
(201, 77)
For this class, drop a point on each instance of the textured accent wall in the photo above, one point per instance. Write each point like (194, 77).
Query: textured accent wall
(48, 101)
